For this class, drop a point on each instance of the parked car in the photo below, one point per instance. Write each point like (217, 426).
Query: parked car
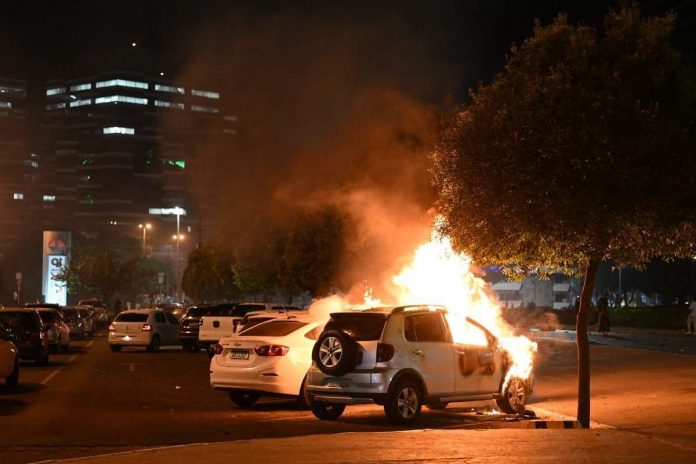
(43, 305)
(214, 328)
(270, 358)
(257, 317)
(404, 357)
(30, 335)
(88, 319)
(190, 322)
(58, 331)
(150, 328)
(73, 319)
(9, 357)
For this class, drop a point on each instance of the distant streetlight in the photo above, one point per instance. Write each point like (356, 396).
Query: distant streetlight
(178, 212)
(178, 238)
(145, 228)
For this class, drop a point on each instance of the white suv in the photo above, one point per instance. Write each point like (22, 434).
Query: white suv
(404, 357)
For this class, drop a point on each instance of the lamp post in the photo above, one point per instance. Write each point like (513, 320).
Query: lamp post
(178, 212)
(145, 228)
(178, 238)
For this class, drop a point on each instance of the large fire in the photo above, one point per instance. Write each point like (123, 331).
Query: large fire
(439, 275)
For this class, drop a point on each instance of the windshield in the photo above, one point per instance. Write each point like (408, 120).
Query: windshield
(131, 317)
(274, 328)
(20, 321)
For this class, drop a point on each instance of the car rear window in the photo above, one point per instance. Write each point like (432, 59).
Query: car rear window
(360, 327)
(131, 317)
(21, 321)
(49, 316)
(249, 323)
(274, 328)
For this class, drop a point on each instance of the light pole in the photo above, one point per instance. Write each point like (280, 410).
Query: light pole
(178, 238)
(178, 212)
(145, 228)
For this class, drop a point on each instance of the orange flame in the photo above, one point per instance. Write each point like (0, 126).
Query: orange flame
(439, 275)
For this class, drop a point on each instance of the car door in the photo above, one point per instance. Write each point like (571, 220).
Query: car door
(478, 361)
(428, 344)
(161, 327)
(7, 353)
(172, 329)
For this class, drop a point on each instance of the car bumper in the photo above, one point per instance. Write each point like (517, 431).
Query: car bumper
(270, 379)
(360, 386)
(129, 339)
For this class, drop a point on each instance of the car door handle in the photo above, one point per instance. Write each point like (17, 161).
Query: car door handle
(417, 352)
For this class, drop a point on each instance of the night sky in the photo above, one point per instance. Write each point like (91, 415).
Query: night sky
(51, 39)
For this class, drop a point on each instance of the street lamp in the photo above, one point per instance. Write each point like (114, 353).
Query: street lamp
(178, 212)
(178, 238)
(145, 228)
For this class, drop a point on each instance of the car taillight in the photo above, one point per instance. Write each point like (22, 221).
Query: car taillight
(218, 349)
(385, 352)
(147, 327)
(111, 327)
(271, 350)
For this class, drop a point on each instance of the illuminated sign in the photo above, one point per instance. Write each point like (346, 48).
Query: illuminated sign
(168, 211)
(56, 291)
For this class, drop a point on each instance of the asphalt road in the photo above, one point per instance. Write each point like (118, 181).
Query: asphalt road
(92, 401)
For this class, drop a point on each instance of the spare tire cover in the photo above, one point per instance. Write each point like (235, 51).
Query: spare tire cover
(335, 352)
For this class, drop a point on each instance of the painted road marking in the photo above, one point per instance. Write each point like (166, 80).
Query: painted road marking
(71, 359)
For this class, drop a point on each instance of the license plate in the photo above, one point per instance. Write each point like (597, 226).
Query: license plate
(239, 354)
(336, 384)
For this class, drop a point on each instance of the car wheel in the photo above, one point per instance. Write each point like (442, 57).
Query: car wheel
(335, 353)
(513, 397)
(404, 403)
(194, 348)
(186, 346)
(327, 411)
(115, 348)
(244, 399)
(154, 345)
(437, 406)
(13, 378)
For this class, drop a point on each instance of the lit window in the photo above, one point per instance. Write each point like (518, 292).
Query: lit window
(169, 88)
(49, 198)
(120, 99)
(55, 106)
(80, 103)
(205, 109)
(122, 83)
(119, 130)
(205, 93)
(5, 105)
(55, 91)
(31, 163)
(229, 131)
(230, 118)
(166, 104)
(18, 196)
(78, 87)
(175, 163)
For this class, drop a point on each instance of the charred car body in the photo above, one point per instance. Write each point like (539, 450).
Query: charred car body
(404, 357)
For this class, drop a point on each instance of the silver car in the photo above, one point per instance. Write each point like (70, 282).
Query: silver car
(149, 328)
(74, 320)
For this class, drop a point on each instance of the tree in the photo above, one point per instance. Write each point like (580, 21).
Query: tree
(209, 275)
(581, 150)
(106, 265)
(312, 252)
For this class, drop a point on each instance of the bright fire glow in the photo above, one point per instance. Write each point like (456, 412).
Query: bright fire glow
(439, 275)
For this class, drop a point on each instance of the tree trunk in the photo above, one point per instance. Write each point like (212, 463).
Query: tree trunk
(581, 326)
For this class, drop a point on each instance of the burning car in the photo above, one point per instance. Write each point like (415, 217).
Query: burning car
(407, 356)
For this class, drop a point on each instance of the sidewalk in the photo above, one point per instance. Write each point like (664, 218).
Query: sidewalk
(470, 446)
(665, 342)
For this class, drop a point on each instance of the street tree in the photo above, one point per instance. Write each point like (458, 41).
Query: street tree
(107, 265)
(209, 275)
(580, 151)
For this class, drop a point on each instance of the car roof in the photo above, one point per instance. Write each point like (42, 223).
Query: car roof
(19, 310)
(140, 311)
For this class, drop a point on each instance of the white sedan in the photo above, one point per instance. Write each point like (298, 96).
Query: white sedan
(269, 358)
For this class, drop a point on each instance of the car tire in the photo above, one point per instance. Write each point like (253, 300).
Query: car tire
(437, 406)
(186, 346)
(335, 353)
(115, 348)
(13, 378)
(514, 396)
(244, 399)
(404, 403)
(327, 411)
(154, 345)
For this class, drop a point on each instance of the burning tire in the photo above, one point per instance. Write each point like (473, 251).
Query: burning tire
(404, 404)
(335, 353)
(514, 396)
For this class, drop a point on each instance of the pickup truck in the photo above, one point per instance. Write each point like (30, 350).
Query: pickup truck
(214, 327)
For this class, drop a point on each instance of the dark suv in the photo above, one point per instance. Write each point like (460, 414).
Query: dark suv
(190, 323)
(27, 329)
